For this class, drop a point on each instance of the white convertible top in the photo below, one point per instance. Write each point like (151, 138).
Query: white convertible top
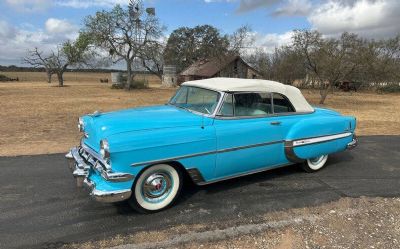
(255, 85)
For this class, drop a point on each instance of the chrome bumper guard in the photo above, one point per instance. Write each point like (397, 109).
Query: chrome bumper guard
(106, 196)
(353, 143)
(82, 160)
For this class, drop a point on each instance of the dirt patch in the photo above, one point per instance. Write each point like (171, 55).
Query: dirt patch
(346, 223)
(37, 118)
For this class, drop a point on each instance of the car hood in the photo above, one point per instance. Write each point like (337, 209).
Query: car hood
(101, 126)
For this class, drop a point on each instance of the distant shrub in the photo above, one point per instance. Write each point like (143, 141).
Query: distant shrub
(117, 86)
(137, 84)
(4, 78)
(140, 84)
(390, 88)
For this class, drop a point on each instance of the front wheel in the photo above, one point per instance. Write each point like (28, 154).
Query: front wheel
(156, 188)
(315, 164)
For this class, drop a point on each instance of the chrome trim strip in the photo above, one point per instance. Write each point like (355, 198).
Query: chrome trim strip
(204, 153)
(172, 158)
(244, 174)
(289, 153)
(210, 115)
(116, 177)
(249, 146)
(320, 139)
(289, 144)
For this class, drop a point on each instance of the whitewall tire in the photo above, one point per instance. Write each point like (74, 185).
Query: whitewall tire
(315, 164)
(156, 188)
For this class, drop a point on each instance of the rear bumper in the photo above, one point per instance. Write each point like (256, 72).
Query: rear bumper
(84, 163)
(353, 143)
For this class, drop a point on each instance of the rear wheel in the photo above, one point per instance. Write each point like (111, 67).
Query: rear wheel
(156, 188)
(315, 164)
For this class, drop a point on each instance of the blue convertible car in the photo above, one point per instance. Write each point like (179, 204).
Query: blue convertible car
(211, 130)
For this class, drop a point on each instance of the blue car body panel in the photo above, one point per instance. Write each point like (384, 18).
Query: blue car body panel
(215, 148)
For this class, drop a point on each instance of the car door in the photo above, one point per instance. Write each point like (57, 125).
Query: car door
(246, 134)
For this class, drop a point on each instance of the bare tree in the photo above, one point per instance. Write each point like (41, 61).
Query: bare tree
(240, 40)
(37, 59)
(330, 60)
(75, 54)
(151, 58)
(126, 34)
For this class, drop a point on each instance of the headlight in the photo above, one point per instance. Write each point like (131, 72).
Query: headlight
(81, 125)
(104, 149)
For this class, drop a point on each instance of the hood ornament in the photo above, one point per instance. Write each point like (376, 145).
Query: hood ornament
(96, 113)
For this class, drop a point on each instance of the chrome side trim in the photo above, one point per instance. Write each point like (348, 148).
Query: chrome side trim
(290, 155)
(244, 174)
(204, 153)
(320, 139)
(249, 146)
(291, 144)
(117, 177)
(172, 158)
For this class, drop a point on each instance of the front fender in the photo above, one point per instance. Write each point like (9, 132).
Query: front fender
(135, 150)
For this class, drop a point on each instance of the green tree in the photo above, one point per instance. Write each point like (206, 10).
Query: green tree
(187, 45)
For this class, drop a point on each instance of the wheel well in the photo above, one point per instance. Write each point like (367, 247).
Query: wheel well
(181, 168)
(178, 166)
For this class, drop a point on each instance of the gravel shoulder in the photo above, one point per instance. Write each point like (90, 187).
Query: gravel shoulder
(347, 223)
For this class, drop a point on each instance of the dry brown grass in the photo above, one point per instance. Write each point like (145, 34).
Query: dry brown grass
(39, 118)
(74, 77)
(377, 114)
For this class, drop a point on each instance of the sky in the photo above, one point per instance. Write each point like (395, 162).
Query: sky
(25, 24)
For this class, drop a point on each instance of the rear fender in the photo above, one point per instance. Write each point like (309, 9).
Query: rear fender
(318, 136)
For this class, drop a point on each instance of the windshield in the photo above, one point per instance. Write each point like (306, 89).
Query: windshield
(196, 99)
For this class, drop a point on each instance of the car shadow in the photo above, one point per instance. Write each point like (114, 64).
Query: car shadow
(264, 179)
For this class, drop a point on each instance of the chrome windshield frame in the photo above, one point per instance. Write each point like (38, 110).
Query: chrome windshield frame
(211, 115)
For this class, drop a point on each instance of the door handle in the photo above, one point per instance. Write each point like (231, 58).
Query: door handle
(276, 123)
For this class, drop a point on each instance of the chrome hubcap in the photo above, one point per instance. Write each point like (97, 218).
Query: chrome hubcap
(316, 160)
(156, 187)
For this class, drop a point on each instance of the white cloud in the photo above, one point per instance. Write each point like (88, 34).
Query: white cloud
(249, 5)
(16, 41)
(6, 32)
(29, 6)
(83, 4)
(58, 26)
(271, 41)
(372, 19)
(294, 8)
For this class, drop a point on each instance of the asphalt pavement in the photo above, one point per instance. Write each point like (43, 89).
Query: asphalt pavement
(40, 206)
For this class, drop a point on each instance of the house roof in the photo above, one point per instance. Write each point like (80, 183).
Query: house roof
(208, 67)
(255, 85)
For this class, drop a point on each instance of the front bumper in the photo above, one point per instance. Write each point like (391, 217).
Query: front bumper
(85, 164)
